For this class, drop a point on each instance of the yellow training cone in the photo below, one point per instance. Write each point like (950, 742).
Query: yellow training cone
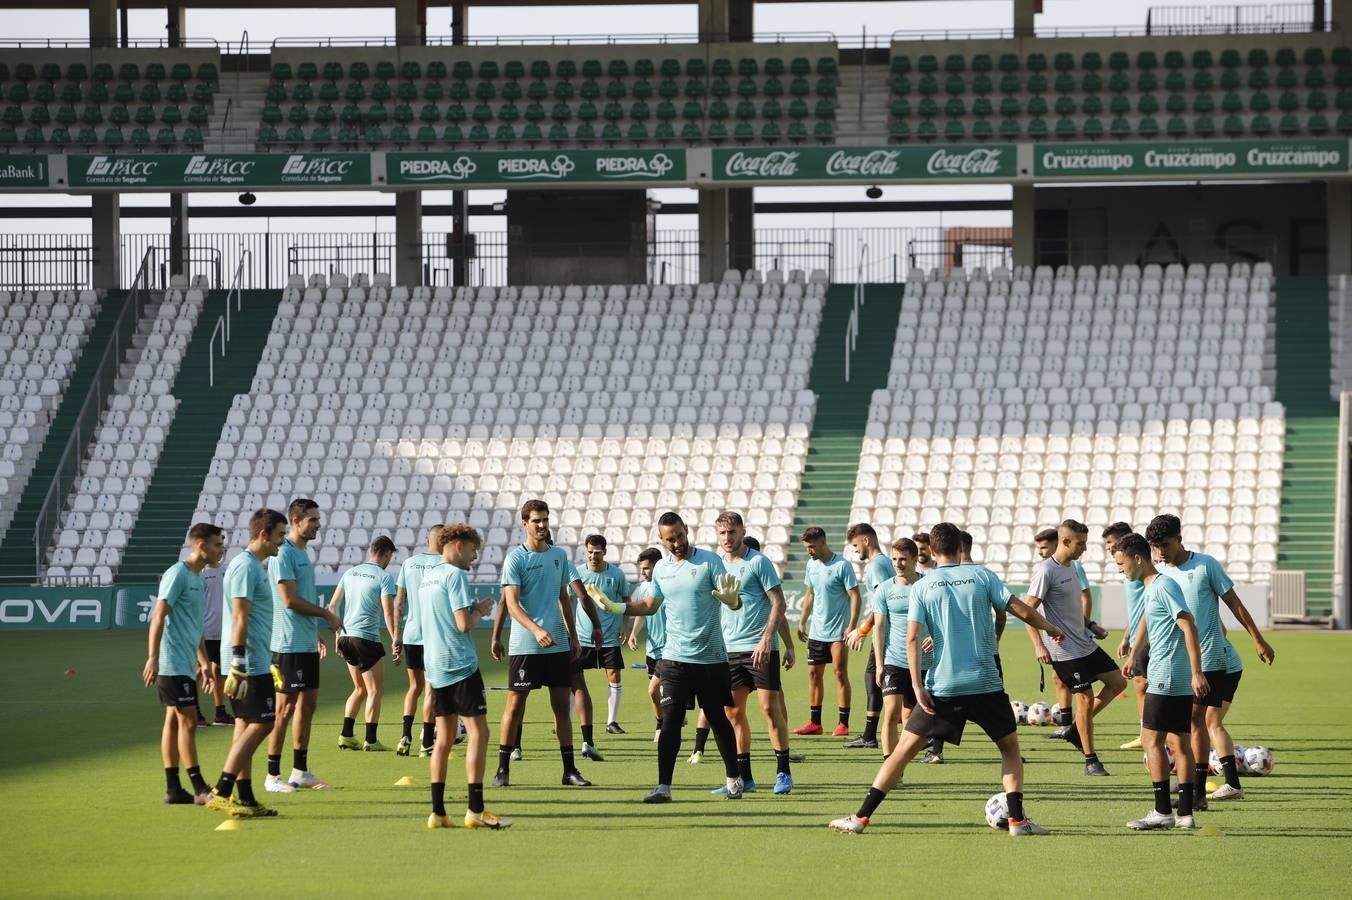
(406, 781)
(1210, 831)
(229, 825)
(1212, 787)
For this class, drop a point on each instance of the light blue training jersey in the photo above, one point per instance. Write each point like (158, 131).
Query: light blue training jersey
(743, 628)
(830, 583)
(892, 601)
(1135, 592)
(654, 626)
(182, 589)
(363, 587)
(610, 580)
(541, 576)
(877, 572)
(1233, 663)
(685, 588)
(246, 579)
(957, 603)
(411, 575)
(448, 654)
(291, 631)
(1169, 672)
(1203, 581)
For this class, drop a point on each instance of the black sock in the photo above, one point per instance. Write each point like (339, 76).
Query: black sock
(1161, 796)
(199, 783)
(225, 786)
(171, 782)
(568, 764)
(1199, 775)
(1231, 770)
(744, 767)
(371, 732)
(275, 765)
(588, 734)
(937, 747)
(429, 734)
(301, 759)
(349, 725)
(1185, 794)
(1064, 717)
(871, 728)
(476, 796)
(870, 804)
(1090, 759)
(701, 738)
(408, 728)
(659, 723)
(782, 762)
(815, 713)
(1073, 735)
(845, 716)
(245, 789)
(220, 711)
(1014, 800)
(504, 758)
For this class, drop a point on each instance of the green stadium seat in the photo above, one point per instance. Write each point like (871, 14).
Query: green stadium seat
(667, 89)
(616, 90)
(1064, 106)
(982, 130)
(306, 71)
(717, 110)
(928, 108)
(747, 87)
(127, 72)
(561, 112)
(798, 109)
(1036, 62)
(826, 87)
(140, 137)
(617, 68)
(87, 137)
(60, 137)
(637, 132)
(928, 86)
(359, 71)
(531, 134)
(982, 108)
(433, 91)
(982, 84)
(118, 115)
(695, 67)
(410, 70)
(774, 67)
(97, 93)
(1037, 128)
(426, 135)
(1260, 125)
(954, 63)
(76, 72)
(71, 93)
(1092, 61)
(540, 68)
(301, 93)
(1119, 128)
(586, 112)
(770, 110)
(1204, 103)
(1289, 125)
(954, 85)
(272, 115)
(1037, 106)
(1148, 127)
(666, 111)
(1176, 104)
(1173, 59)
(1063, 62)
(1010, 129)
(773, 87)
(691, 132)
(1314, 78)
(1065, 129)
(639, 111)
(408, 91)
(799, 66)
(505, 133)
(377, 113)
(462, 70)
(1288, 101)
(535, 112)
(800, 88)
(1286, 80)
(1093, 128)
(900, 109)
(1203, 81)
(355, 93)
(351, 114)
(747, 67)
(742, 132)
(591, 68)
(611, 133)
(403, 113)
(294, 136)
(1231, 103)
(1232, 126)
(692, 110)
(1148, 104)
(1258, 57)
(1313, 56)
(436, 69)
(1342, 56)
(281, 71)
(14, 115)
(485, 91)
(664, 132)
(954, 130)
(1176, 127)
(482, 112)
(324, 114)
(1146, 60)
(458, 92)
(1147, 82)
(694, 88)
(1119, 83)
(479, 134)
(825, 109)
(1093, 105)
(103, 72)
(112, 137)
(899, 131)
(982, 63)
(1201, 59)
(1285, 56)
(1175, 81)
(1318, 124)
(1009, 84)
(45, 93)
(1204, 126)
(348, 136)
(333, 71)
(40, 115)
(34, 137)
(18, 93)
(1317, 100)
(1119, 105)
(328, 92)
(452, 134)
(615, 111)
(771, 132)
(169, 115)
(1037, 83)
(430, 113)
(721, 67)
(275, 93)
(1009, 62)
(927, 130)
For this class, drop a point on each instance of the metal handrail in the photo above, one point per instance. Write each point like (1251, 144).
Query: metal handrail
(211, 348)
(105, 374)
(852, 326)
(223, 322)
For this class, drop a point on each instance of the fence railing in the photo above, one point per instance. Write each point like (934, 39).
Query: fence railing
(46, 262)
(232, 297)
(1265, 18)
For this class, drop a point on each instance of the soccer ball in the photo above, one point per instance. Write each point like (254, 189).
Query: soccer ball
(1240, 762)
(1213, 763)
(1039, 714)
(1145, 758)
(997, 811)
(1020, 711)
(1056, 712)
(1258, 760)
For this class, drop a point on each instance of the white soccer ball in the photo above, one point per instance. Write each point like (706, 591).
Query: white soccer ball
(997, 811)
(1020, 711)
(1169, 751)
(1240, 763)
(1039, 714)
(1213, 763)
(1258, 760)
(1056, 712)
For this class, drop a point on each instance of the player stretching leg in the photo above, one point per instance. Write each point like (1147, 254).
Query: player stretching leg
(610, 580)
(1168, 634)
(408, 642)
(177, 655)
(247, 607)
(957, 604)
(656, 632)
(297, 647)
(365, 593)
(830, 611)
(891, 611)
(877, 572)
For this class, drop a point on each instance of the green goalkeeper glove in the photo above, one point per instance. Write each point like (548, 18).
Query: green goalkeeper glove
(237, 682)
(600, 599)
(728, 591)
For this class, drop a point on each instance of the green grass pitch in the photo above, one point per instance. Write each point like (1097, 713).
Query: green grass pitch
(81, 783)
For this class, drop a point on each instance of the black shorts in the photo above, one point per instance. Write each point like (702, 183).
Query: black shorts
(177, 690)
(708, 683)
(466, 697)
(745, 675)
(897, 680)
(300, 671)
(413, 656)
(1078, 675)
(213, 650)
(260, 703)
(1215, 696)
(819, 652)
(360, 652)
(529, 671)
(653, 667)
(1231, 686)
(951, 714)
(598, 658)
(1161, 712)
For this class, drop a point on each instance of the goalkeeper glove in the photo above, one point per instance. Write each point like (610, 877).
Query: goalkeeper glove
(728, 591)
(277, 680)
(237, 682)
(600, 599)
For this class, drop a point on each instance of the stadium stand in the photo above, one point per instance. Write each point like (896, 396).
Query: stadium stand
(1101, 395)
(603, 411)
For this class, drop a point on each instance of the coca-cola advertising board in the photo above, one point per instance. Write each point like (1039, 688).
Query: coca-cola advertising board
(865, 165)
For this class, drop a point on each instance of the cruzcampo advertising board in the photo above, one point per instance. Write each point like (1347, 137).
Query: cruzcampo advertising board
(865, 164)
(1213, 159)
(203, 171)
(537, 167)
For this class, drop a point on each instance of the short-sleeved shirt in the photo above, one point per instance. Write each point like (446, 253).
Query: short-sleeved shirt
(655, 625)
(291, 631)
(611, 580)
(1058, 587)
(892, 601)
(1170, 671)
(1233, 663)
(1203, 581)
(448, 655)
(181, 589)
(363, 587)
(541, 576)
(877, 572)
(411, 575)
(685, 588)
(743, 628)
(245, 578)
(830, 582)
(958, 605)
(213, 580)
(1135, 592)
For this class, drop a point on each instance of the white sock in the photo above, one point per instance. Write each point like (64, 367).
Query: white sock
(613, 702)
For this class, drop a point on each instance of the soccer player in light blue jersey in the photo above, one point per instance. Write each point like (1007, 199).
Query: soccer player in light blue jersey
(178, 656)
(957, 605)
(877, 572)
(297, 647)
(1165, 648)
(365, 595)
(610, 580)
(408, 646)
(656, 632)
(891, 615)
(1133, 591)
(247, 610)
(831, 606)
(1205, 586)
(449, 615)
